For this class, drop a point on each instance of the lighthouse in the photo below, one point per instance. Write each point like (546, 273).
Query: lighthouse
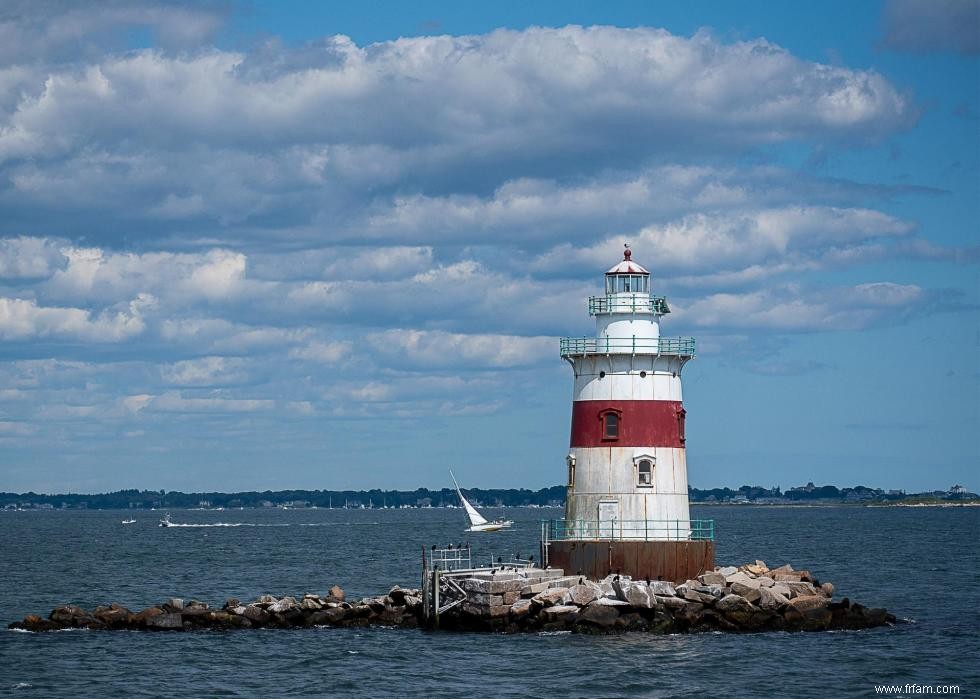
(627, 506)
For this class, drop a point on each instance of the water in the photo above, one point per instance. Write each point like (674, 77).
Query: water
(922, 564)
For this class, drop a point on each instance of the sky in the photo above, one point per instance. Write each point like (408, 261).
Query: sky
(269, 245)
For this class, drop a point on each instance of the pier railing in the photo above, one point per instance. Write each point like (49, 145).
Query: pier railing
(634, 303)
(676, 346)
(628, 530)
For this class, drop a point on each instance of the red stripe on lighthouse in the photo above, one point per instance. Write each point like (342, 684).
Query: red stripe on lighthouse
(642, 423)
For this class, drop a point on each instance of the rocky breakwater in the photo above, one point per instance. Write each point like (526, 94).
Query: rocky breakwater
(748, 598)
(400, 607)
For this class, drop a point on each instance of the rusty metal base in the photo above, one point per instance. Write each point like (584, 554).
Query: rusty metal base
(675, 561)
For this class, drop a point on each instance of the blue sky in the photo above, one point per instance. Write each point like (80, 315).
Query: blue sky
(250, 245)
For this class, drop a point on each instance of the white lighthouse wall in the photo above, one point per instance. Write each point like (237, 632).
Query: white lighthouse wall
(622, 380)
(604, 474)
(623, 325)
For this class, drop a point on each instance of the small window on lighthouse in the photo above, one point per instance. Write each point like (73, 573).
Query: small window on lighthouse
(610, 426)
(644, 473)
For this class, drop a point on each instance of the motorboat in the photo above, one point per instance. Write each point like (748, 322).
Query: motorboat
(165, 522)
(129, 521)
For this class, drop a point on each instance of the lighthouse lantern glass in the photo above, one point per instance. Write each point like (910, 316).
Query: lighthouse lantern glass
(627, 284)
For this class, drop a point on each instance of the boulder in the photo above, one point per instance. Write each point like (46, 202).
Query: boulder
(532, 590)
(256, 614)
(805, 602)
(639, 597)
(736, 609)
(692, 595)
(726, 571)
(521, 607)
(169, 620)
(329, 617)
(310, 604)
(558, 611)
(336, 594)
(412, 601)
(68, 614)
(397, 594)
(744, 579)
(670, 602)
(782, 569)
(768, 599)
(712, 579)
(598, 615)
(662, 587)
(115, 616)
(266, 600)
(282, 606)
(174, 604)
(827, 590)
(631, 621)
(582, 594)
(765, 581)
(750, 594)
(780, 589)
(800, 589)
(757, 568)
(549, 597)
(231, 603)
(612, 602)
(787, 577)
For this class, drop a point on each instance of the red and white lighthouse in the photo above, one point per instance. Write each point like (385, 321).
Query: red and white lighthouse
(627, 499)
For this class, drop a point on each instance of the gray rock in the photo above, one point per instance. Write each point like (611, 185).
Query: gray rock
(521, 607)
(692, 595)
(712, 579)
(175, 603)
(266, 599)
(800, 589)
(612, 602)
(744, 579)
(165, 621)
(311, 604)
(336, 593)
(549, 597)
(768, 599)
(670, 602)
(765, 581)
(733, 603)
(599, 615)
(727, 570)
(412, 601)
(662, 587)
(827, 590)
(745, 591)
(558, 611)
(582, 594)
(639, 597)
(238, 611)
(284, 605)
(256, 614)
(780, 589)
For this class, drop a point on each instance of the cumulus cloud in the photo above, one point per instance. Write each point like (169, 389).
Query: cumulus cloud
(24, 319)
(310, 135)
(437, 349)
(27, 257)
(206, 371)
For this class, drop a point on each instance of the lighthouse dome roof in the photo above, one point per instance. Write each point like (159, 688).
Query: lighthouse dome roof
(627, 266)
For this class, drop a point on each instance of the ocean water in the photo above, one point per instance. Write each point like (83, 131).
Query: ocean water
(923, 564)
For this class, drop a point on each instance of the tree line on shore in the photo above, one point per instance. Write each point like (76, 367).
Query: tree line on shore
(424, 497)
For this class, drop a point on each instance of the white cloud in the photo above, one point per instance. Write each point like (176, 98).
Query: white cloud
(28, 257)
(206, 371)
(438, 349)
(175, 402)
(24, 319)
(322, 352)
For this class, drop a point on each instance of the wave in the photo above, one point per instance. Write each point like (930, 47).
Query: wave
(224, 524)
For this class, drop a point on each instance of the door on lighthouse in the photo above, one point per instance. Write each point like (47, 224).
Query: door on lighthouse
(608, 518)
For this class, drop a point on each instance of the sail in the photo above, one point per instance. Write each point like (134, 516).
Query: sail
(475, 517)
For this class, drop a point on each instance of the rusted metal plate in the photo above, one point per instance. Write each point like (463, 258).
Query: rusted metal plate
(665, 560)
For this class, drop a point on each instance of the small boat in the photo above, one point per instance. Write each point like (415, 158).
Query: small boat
(129, 521)
(165, 522)
(479, 523)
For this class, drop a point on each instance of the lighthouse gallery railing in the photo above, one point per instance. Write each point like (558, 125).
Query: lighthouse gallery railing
(628, 530)
(634, 303)
(680, 346)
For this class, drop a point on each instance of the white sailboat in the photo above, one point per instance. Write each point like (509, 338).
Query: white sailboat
(479, 523)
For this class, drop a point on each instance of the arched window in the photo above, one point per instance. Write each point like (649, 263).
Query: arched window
(644, 473)
(610, 425)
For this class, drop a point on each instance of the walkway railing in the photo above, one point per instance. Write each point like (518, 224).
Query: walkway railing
(679, 346)
(628, 530)
(634, 303)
